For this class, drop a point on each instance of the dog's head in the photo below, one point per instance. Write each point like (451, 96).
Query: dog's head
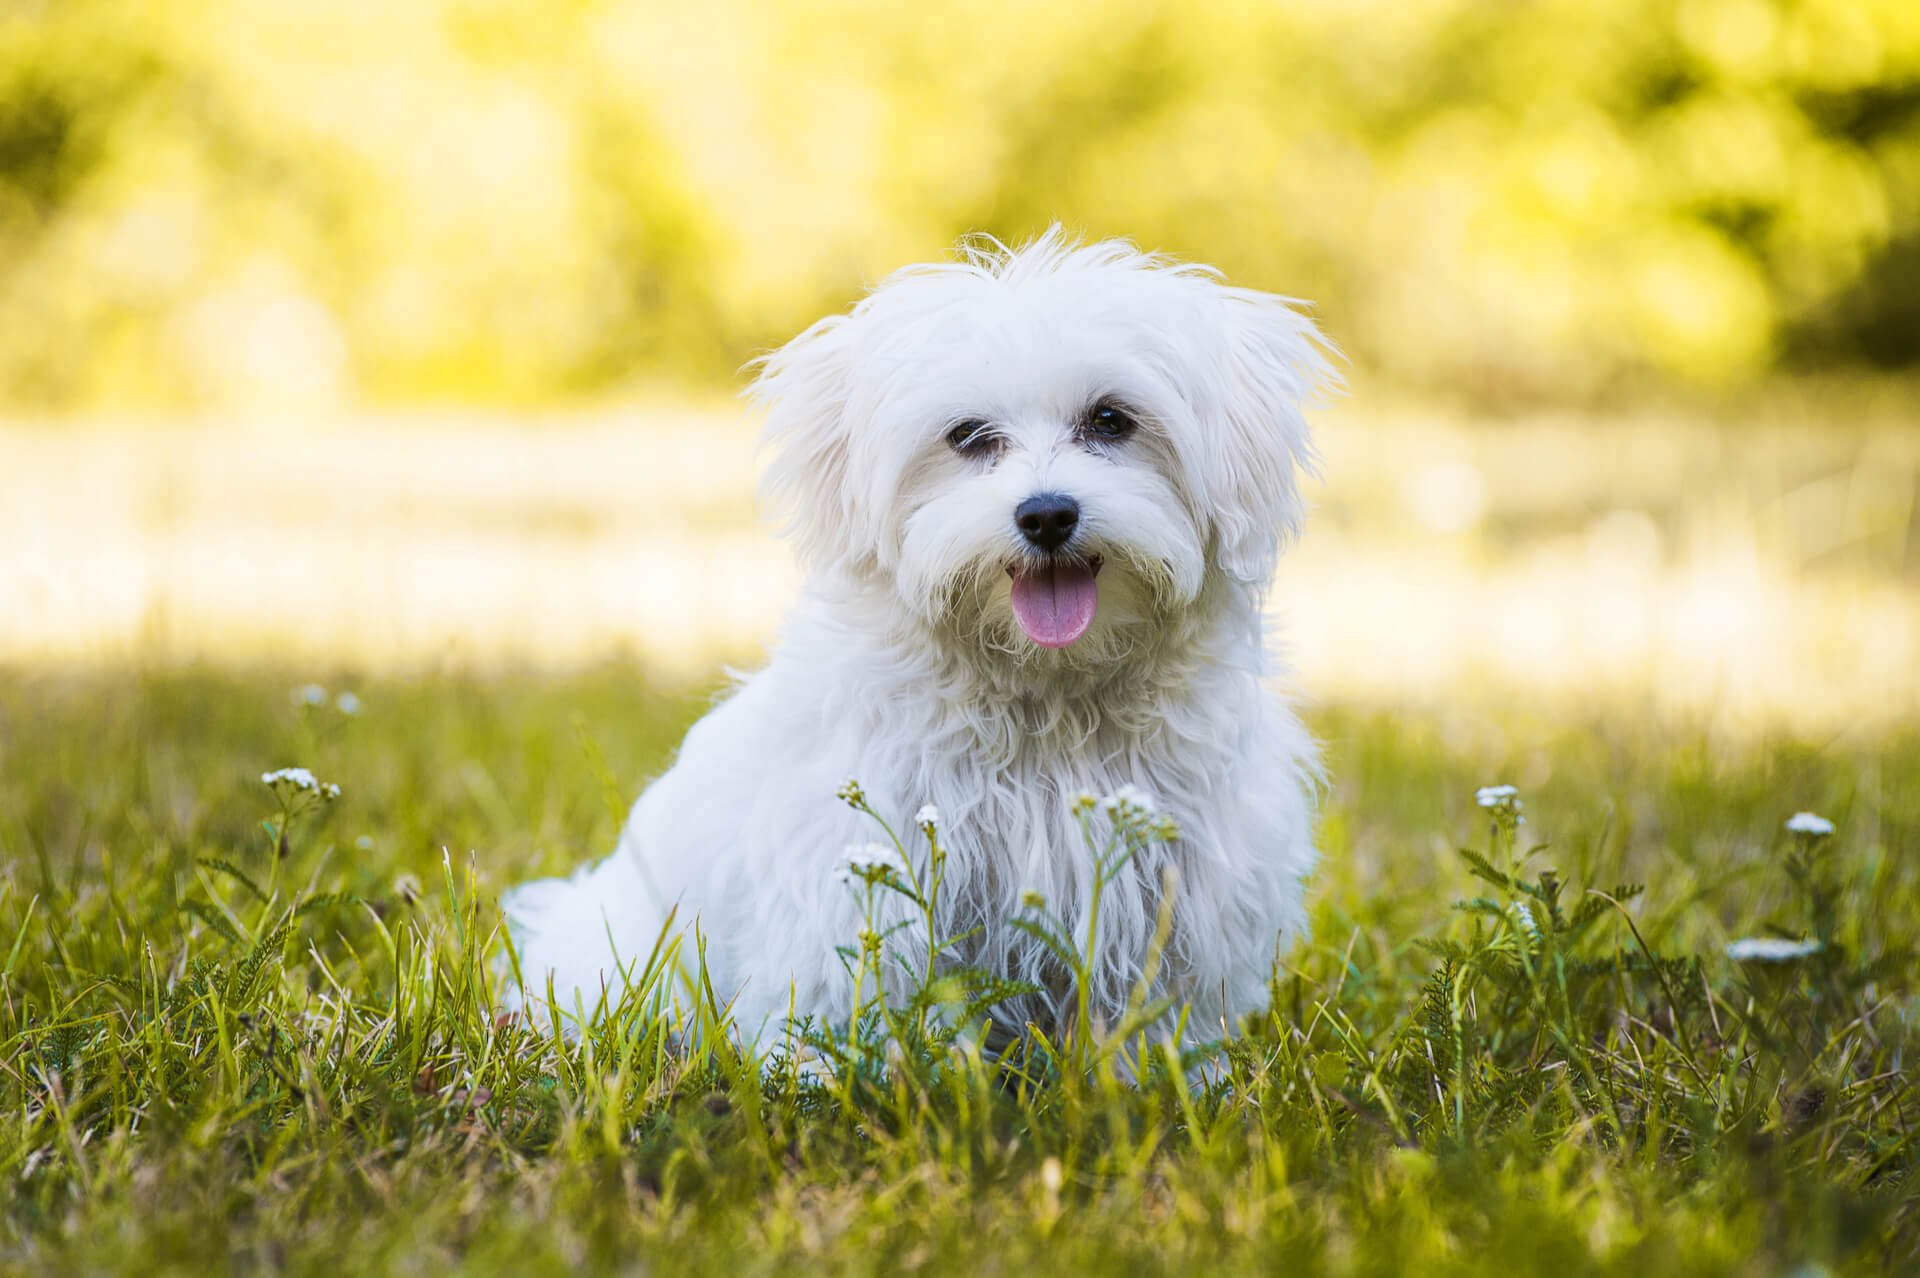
(1046, 449)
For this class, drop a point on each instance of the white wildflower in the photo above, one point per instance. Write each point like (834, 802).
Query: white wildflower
(1130, 806)
(1526, 919)
(1770, 949)
(870, 855)
(927, 817)
(1809, 823)
(347, 703)
(871, 863)
(1084, 802)
(1502, 800)
(291, 781)
(309, 694)
(851, 794)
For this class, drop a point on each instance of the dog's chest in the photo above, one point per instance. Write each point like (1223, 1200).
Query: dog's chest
(1025, 812)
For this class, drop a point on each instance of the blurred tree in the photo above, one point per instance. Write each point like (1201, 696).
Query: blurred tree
(209, 202)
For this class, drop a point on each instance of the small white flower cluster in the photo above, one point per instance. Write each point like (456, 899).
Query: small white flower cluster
(1498, 796)
(851, 794)
(312, 694)
(1501, 800)
(1809, 823)
(1132, 808)
(927, 817)
(299, 781)
(1129, 802)
(871, 863)
(1770, 949)
(1527, 924)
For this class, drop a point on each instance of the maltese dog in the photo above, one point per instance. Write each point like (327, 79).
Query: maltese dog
(1038, 495)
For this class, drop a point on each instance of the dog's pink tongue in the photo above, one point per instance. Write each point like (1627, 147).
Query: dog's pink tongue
(1054, 603)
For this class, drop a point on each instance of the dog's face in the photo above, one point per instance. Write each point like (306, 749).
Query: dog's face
(1046, 451)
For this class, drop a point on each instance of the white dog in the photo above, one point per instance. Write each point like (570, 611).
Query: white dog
(1039, 495)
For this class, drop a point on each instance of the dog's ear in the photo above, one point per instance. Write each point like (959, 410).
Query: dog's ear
(804, 388)
(1275, 365)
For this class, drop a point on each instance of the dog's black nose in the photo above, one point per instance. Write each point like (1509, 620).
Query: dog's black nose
(1047, 519)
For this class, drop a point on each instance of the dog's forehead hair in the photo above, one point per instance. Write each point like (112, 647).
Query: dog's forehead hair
(1027, 359)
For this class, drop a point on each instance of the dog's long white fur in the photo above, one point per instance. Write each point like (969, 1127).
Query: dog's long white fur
(902, 665)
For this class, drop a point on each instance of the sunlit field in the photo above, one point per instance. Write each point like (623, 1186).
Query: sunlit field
(1749, 570)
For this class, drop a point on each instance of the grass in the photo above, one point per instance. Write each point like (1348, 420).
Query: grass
(214, 1056)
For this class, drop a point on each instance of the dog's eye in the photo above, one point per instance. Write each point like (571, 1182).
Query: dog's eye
(1109, 421)
(971, 438)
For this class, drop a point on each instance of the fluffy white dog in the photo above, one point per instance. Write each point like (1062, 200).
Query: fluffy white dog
(1039, 495)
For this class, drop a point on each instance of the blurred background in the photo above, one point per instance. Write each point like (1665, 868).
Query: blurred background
(402, 335)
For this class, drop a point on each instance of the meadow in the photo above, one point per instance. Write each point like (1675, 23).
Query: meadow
(365, 378)
(233, 1037)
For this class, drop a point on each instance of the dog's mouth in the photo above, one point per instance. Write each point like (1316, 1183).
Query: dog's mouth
(1054, 600)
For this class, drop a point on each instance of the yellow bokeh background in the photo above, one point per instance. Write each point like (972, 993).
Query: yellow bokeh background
(231, 202)
(380, 333)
